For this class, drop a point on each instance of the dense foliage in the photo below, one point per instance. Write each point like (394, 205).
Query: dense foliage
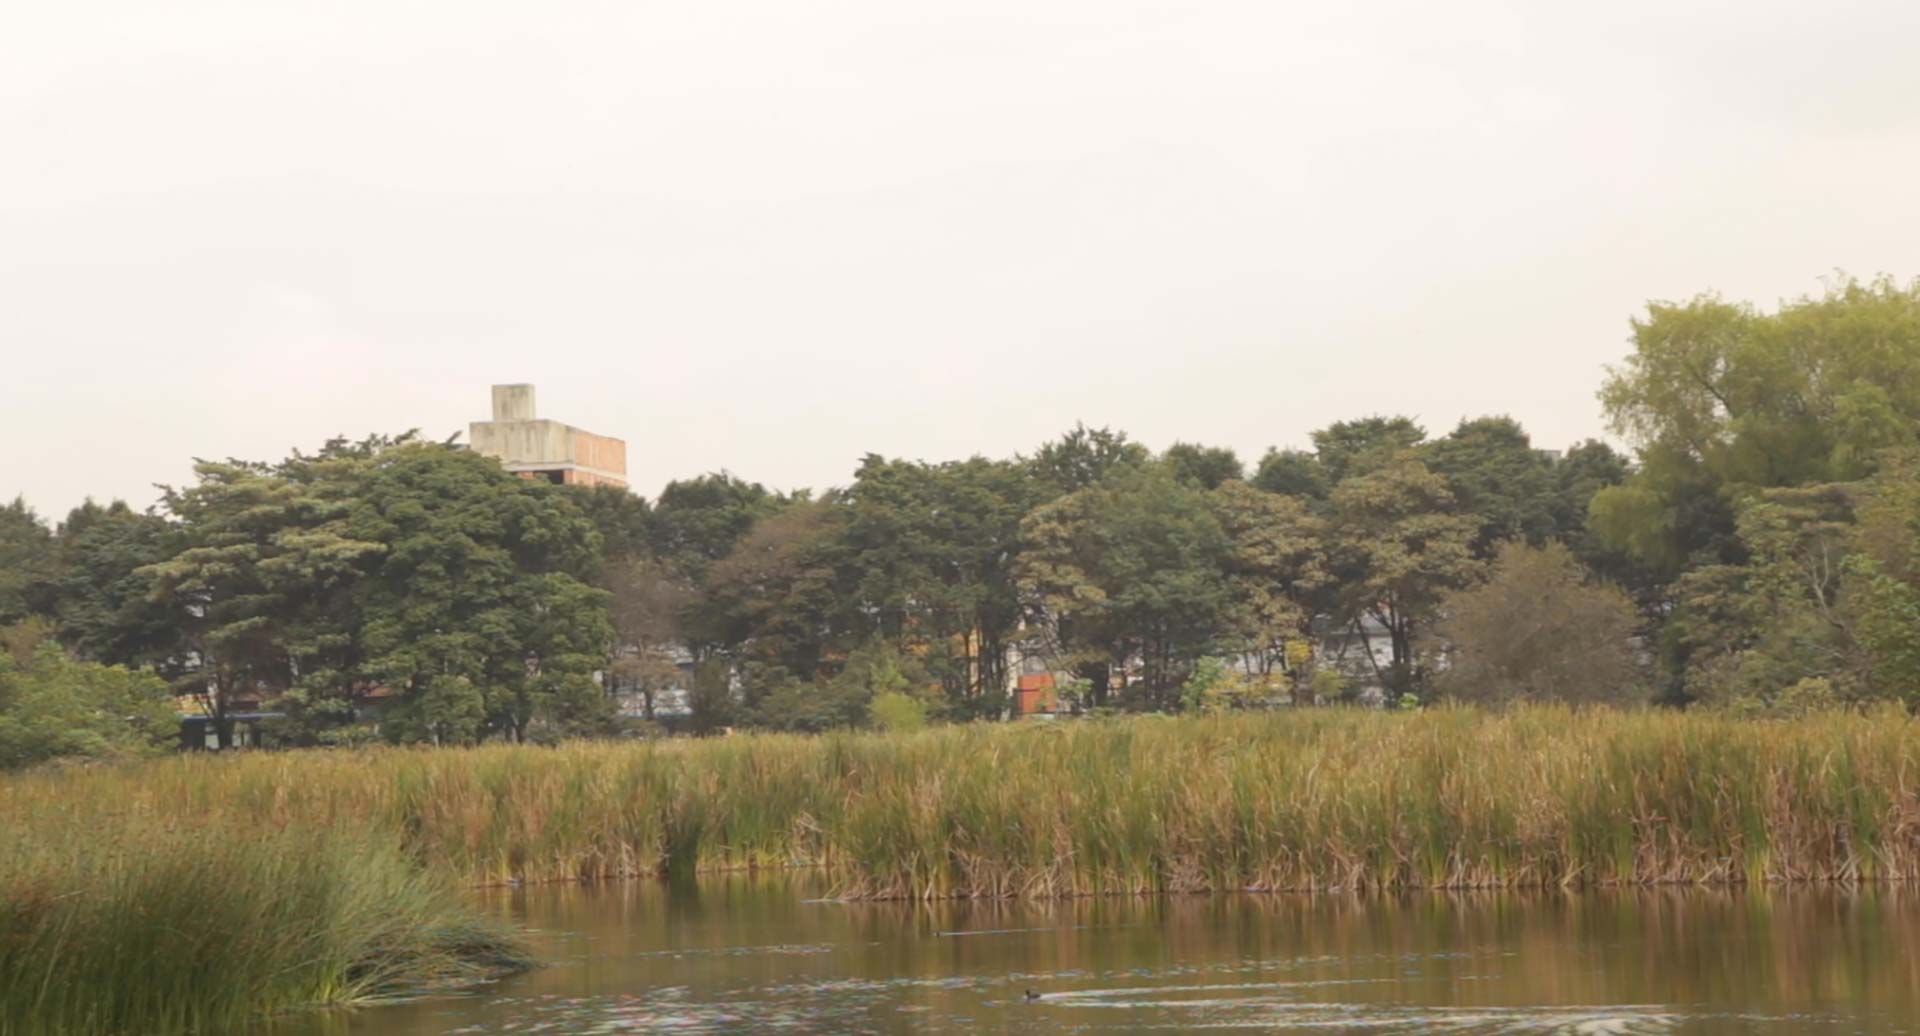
(1768, 521)
(55, 707)
(1763, 531)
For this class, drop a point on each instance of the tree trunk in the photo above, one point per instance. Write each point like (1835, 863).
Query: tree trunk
(1099, 677)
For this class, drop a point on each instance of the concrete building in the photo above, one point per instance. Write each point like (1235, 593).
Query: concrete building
(534, 447)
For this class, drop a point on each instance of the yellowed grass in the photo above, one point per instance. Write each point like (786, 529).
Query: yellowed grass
(1450, 798)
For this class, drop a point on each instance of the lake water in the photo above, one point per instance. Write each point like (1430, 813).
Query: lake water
(744, 955)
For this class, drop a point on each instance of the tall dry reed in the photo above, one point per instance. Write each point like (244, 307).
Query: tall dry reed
(117, 923)
(1450, 798)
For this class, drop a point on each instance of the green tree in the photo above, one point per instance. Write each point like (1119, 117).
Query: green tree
(1131, 567)
(774, 600)
(53, 707)
(930, 552)
(482, 576)
(28, 567)
(875, 674)
(1275, 569)
(1204, 467)
(1753, 635)
(623, 518)
(778, 700)
(1497, 476)
(1578, 477)
(897, 713)
(1293, 473)
(695, 523)
(254, 590)
(1587, 468)
(1881, 606)
(698, 521)
(106, 608)
(1399, 546)
(568, 640)
(1539, 629)
(445, 710)
(1084, 456)
(711, 699)
(1348, 448)
(1721, 400)
(1667, 517)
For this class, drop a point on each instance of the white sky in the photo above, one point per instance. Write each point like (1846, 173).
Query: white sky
(774, 236)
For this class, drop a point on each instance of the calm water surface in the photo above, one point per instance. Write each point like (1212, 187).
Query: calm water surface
(742, 955)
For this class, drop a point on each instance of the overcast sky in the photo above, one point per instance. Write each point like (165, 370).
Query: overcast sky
(771, 237)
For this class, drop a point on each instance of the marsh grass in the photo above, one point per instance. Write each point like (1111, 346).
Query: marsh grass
(120, 923)
(1444, 798)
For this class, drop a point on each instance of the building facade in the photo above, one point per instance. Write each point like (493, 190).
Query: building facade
(534, 447)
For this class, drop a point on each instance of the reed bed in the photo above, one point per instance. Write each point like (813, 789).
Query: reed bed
(1321, 799)
(113, 923)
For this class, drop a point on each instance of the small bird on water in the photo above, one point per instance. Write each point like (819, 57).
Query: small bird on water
(1031, 995)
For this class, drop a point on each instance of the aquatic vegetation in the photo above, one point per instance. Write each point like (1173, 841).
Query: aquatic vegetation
(128, 923)
(1315, 799)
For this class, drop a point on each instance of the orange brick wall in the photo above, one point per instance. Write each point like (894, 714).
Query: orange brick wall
(1034, 694)
(576, 477)
(598, 451)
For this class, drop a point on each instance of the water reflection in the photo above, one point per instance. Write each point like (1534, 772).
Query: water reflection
(745, 954)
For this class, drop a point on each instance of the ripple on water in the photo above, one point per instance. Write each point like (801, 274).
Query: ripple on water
(1269, 1006)
(776, 950)
(841, 1006)
(672, 1011)
(1548, 972)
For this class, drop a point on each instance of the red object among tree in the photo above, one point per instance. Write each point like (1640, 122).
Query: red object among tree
(1034, 694)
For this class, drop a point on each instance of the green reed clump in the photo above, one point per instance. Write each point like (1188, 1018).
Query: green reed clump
(121, 923)
(1314, 799)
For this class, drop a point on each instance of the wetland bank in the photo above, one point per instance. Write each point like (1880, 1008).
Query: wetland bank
(1055, 818)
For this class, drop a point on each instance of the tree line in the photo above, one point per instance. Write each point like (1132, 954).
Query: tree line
(1754, 550)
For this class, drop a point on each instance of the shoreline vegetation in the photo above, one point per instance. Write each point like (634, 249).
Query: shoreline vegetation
(193, 892)
(139, 921)
(1290, 800)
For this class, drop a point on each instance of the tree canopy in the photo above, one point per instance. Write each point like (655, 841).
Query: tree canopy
(1757, 546)
(1721, 400)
